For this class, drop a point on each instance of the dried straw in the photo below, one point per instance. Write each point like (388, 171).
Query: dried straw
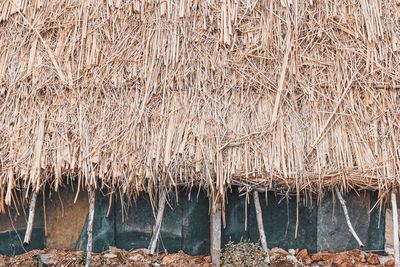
(135, 94)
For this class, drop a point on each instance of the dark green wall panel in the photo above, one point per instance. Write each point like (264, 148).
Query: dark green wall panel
(195, 224)
(135, 229)
(376, 231)
(186, 224)
(280, 217)
(10, 242)
(103, 226)
(235, 218)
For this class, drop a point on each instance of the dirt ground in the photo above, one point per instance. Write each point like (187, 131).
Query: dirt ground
(140, 257)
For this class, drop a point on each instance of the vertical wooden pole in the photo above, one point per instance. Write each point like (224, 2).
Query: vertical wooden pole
(160, 215)
(44, 213)
(346, 215)
(260, 223)
(215, 234)
(2, 209)
(395, 231)
(92, 199)
(32, 207)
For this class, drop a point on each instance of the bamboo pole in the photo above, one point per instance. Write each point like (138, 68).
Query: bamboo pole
(32, 207)
(2, 209)
(346, 214)
(215, 235)
(92, 198)
(44, 214)
(160, 214)
(260, 223)
(395, 231)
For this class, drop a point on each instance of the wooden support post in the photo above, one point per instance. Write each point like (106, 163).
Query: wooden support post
(260, 223)
(395, 231)
(346, 214)
(2, 209)
(157, 228)
(215, 235)
(92, 199)
(32, 207)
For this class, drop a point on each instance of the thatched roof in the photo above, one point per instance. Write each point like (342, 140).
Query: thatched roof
(134, 94)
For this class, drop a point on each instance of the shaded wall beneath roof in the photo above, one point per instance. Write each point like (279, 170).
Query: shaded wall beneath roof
(186, 222)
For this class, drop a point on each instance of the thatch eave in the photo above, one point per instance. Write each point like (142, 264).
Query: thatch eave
(300, 94)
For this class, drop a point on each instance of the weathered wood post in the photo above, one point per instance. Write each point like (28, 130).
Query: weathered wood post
(2, 209)
(215, 231)
(157, 228)
(346, 214)
(92, 199)
(395, 231)
(260, 222)
(32, 208)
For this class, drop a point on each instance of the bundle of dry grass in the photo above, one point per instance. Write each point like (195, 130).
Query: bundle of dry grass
(134, 94)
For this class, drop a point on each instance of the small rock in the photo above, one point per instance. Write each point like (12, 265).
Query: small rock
(207, 258)
(207, 264)
(341, 259)
(389, 263)
(302, 254)
(292, 251)
(364, 256)
(292, 259)
(316, 257)
(308, 260)
(329, 263)
(321, 256)
(267, 259)
(384, 259)
(198, 259)
(373, 259)
(161, 256)
(109, 255)
(137, 257)
(170, 258)
(141, 251)
(114, 250)
(46, 259)
(278, 251)
(274, 257)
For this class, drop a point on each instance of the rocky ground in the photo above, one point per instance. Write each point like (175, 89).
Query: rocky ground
(141, 257)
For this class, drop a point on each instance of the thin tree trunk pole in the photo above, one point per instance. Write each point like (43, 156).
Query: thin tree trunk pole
(92, 199)
(32, 206)
(395, 231)
(2, 209)
(216, 235)
(157, 228)
(346, 214)
(260, 223)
